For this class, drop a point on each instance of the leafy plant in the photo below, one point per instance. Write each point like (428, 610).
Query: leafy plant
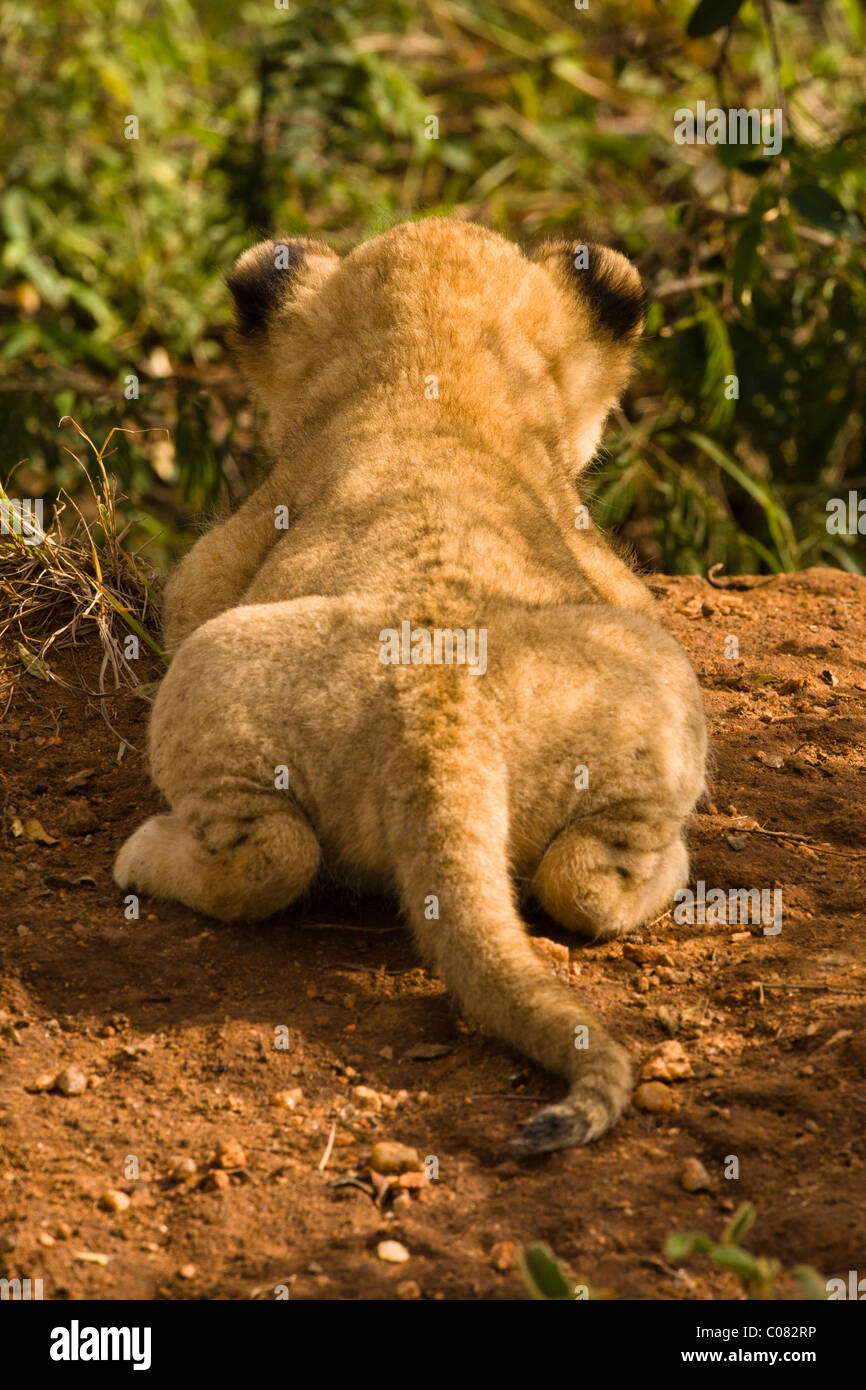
(544, 1278)
(757, 1273)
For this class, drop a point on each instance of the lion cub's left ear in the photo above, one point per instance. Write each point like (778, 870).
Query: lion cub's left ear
(605, 284)
(271, 276)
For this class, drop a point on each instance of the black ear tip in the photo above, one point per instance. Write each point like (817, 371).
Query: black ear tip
(610, 286)
(615, 291)
(260, 280)
(253, 292)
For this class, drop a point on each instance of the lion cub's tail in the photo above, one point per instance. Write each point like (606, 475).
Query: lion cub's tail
(455, 887)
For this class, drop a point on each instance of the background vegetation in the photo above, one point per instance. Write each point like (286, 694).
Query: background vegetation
(312, 119)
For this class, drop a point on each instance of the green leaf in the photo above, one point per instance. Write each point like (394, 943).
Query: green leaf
(741, 157)
(542, 1274)
(814, 203)
(680, 1244)
(148, 690)
(754, 167)
(16, 222)
(740, 1262)
(128, 618)
(21, 338)
(654, 319)
(778, 521)
(742, 1221)
(745, 260)
(812, 1284)
(32, 664)
(711, 15)
(720, 364)
(854, 15)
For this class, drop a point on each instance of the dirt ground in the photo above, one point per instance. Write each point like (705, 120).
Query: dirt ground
(175, 1022)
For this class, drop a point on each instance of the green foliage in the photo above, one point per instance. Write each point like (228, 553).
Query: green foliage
(544, 1278)
(542, 1274)
(710, 15)
(315, 120)
(757, 1273)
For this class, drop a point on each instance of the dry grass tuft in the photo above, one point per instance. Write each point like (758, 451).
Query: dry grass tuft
(54, 583)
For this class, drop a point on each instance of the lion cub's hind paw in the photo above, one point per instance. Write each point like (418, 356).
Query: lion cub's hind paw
(139, 863)
(232, 867)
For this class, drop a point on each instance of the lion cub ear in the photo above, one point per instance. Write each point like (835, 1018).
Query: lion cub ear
(270, 276)
(606, 285)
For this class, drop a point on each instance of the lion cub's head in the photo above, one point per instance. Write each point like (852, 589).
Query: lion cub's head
(548, 337)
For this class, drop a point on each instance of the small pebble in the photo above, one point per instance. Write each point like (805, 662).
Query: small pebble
(287, 1100)
(769, 759)
(408, 1289)
(44, 1082)
(503, 1255)
(115, 1201)
(216, 1181)
(388, 1157)
(184, 1168)
(654, 1098)
(694, 1176)
(392, 1252)
(229, 1154)
(646, 955)
(668, 1063)
(366, 1098)
(187, 1271)
(70, 1081)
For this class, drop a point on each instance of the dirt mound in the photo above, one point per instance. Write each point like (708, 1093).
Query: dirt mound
(219, 1065)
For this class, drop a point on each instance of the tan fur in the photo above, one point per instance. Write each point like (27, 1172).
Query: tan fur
(448, 513)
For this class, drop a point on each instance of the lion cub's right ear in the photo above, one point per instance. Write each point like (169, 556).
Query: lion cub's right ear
(603, 283)
(272, 276)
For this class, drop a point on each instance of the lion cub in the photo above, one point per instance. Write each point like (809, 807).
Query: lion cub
(436, 679)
